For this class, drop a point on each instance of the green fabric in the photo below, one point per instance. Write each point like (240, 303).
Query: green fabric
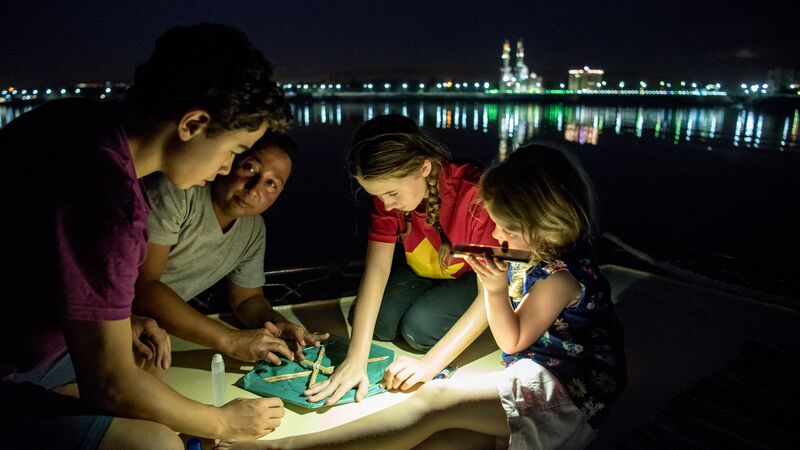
(291, 391)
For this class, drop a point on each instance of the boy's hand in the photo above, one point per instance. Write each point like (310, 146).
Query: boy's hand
(251, 418)
(151, 344)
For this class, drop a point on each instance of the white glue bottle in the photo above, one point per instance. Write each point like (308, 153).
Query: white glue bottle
(218, 379)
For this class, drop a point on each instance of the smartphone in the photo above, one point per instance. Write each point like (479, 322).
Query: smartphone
(483, 251)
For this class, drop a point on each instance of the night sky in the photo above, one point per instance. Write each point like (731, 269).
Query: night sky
(59, 42)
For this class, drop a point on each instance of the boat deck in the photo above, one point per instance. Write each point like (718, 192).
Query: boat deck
(676, 334)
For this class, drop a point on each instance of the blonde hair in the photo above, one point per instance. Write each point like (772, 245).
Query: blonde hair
(393, 146)
(544, 194)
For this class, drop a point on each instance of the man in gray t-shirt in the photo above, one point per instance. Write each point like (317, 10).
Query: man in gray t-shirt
(204, 234)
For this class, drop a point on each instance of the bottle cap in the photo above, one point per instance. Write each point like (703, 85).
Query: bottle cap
(194, 444)
(216, 359)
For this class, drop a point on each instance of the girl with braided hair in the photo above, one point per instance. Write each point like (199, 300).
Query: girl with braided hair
(553, 318)
(435, 302)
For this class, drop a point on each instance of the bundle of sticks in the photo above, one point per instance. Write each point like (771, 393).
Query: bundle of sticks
(316, 368)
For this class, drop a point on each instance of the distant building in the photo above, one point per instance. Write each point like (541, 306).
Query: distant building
(783, 81)
(521, 79)
(585, 79)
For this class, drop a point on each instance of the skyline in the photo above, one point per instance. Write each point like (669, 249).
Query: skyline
(55, 43)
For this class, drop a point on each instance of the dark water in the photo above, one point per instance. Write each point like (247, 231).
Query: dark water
(697, 186)
(711, 189)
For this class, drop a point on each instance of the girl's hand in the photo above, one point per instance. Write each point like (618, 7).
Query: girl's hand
(492, 272)
(405, 372)
(345, 377)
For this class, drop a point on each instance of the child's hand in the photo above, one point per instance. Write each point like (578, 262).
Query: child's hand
(405, 372)
(492, 272)
(347, 375)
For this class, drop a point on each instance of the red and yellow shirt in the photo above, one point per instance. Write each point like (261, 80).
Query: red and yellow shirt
(462, 216)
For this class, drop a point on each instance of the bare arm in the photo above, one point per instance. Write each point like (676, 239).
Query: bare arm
(353, 370)
(254, 310)
(251, 307)
(407, 372)
(157, 300)
(517, 330)
(377, 267)
(109, 379)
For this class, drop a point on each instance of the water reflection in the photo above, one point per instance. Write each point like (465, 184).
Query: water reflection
(515, 123)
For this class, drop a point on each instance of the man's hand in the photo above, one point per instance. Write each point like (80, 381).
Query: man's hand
(151, 345)
(251, 418)
(254, 345)
(297, 334)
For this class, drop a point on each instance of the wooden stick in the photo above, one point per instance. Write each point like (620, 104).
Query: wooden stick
(380, 358)
(322, 369)
(286, 376)
(317, 364)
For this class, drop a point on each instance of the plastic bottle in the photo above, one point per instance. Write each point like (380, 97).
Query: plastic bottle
(194, 444)
(218, 379)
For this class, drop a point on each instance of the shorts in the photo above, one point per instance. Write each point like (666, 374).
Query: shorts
(33, 417)
(540, 412)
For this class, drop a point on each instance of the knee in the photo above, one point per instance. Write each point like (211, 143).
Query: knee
(165, 437)
(417, 332)
(385, 330)
(132, 434)
(383, 335)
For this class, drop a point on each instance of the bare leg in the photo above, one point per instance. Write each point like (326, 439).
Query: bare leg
(458, 438)
(132, 434)
(471, 404)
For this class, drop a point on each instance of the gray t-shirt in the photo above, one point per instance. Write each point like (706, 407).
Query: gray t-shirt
(201, 254)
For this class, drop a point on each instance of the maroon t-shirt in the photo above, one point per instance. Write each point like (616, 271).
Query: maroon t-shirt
(82, 227)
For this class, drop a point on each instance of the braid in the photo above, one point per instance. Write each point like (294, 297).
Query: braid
(432, 207)
(433, 201)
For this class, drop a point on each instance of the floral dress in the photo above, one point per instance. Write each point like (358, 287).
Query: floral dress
(583, 348)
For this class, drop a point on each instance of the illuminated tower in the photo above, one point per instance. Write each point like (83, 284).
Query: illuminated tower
(521, 70)
(506, 78)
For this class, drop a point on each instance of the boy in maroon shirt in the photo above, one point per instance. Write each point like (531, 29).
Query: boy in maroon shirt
(205, 95)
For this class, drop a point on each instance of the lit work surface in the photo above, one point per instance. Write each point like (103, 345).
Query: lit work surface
(706, 327)
(190, 374)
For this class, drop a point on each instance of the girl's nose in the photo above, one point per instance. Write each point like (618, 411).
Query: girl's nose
(497, 235)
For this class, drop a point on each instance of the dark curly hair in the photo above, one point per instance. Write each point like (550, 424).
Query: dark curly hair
(213, 67)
